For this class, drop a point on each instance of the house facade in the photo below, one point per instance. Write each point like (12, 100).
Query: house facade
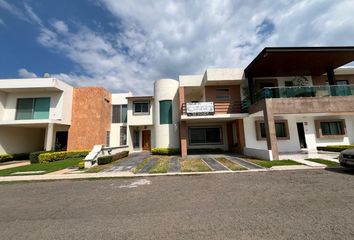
(285, 100)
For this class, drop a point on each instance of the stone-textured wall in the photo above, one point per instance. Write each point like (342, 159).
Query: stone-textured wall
(91, 117)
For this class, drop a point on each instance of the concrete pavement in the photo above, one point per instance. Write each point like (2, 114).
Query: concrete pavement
(256, 205)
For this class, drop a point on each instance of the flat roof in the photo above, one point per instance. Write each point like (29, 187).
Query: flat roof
(286, 61)
(140, 97)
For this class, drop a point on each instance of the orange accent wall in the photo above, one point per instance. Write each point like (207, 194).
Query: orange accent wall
(222, 106)
(91, 117)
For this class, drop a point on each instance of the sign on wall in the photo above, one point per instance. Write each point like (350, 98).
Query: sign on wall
(200, 108)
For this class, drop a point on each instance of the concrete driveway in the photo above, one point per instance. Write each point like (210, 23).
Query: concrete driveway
(312, 204)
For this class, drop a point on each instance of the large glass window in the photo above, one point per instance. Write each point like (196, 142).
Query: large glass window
(205, 135)
(119, 113)
(332, 128)
(280, 130)
(141, 107)
(32, 108)
(166, 112)
(123, 135)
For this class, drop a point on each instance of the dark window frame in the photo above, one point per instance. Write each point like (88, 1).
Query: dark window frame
(259, 133)
(118, 118)
(32, 108)
(220, 128)
(319, 130)
(121, 136)
(141, 113)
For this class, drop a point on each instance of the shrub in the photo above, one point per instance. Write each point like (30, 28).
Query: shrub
(165, 151)
(20, 156)
(335, 148)
(6, 158)
(33, 157)
(120, 155)
(57, 156)
(110, 158)
(81, 165)
(204, 150)
(104, 160)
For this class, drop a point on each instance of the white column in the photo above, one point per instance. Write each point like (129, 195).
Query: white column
(49, 135)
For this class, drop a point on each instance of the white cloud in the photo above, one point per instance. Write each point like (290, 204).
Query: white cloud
(61, 26)
(32, 15)
(2, 22)
(24, 73)
(163, 39)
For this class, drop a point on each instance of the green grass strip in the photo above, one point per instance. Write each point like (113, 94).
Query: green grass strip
(323, 161)
(194, 165)
(269, 164)
(46, 167)
(230, 165)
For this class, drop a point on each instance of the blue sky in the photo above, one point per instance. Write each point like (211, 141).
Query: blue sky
(126, 45)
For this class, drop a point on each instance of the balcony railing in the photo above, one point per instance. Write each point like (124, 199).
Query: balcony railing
(211, 108)
(305, 91)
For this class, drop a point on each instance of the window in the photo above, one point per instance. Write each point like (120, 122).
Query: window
(32, 108)
(222, 94)
(119, 113)
(141, 107)
(281, 130)
(136, 139)
(205, 135)
(123, 135)
(332, 128)
(108, 138)
(166, 112)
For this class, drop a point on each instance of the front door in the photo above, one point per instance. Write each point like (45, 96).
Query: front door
(301, 133)
(146, 140)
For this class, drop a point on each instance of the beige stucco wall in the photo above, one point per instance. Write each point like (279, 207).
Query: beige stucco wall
(140, 119)
(21, 139)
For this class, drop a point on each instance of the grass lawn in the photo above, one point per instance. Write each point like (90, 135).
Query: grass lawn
(323, 161)
(161, 165)
(269, 164)
(231, 165)
(194, 165)
(47, 167)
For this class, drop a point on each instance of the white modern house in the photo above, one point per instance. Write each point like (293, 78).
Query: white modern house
(285, 100)
(33, 112)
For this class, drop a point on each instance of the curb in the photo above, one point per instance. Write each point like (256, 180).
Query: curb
(88, 176)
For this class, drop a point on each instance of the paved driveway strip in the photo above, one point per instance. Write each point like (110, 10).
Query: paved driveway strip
(215, 165)
(243, 163)
(174, 165)
(132, 161)
(149, 165)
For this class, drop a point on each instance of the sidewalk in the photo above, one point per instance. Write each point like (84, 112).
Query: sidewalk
(13, 165)
(103, 175)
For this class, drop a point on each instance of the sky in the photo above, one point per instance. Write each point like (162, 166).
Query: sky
(127, 45)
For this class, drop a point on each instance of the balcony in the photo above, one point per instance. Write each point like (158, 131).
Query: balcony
(328, 99)
(304, 91)
(212, 108)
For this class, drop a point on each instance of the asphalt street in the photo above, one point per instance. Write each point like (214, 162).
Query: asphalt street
(303, 204)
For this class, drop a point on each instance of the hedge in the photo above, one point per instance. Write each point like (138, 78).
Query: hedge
(57, 156)
(13, 157)
(33, 157)
(165, 151)
(110, 158)
(104, 160)
(335, 148)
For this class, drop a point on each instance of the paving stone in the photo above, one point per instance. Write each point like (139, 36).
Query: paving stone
(132, 161)
(243, 162)
(215, 165)
(174, 165)
(149, 165)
